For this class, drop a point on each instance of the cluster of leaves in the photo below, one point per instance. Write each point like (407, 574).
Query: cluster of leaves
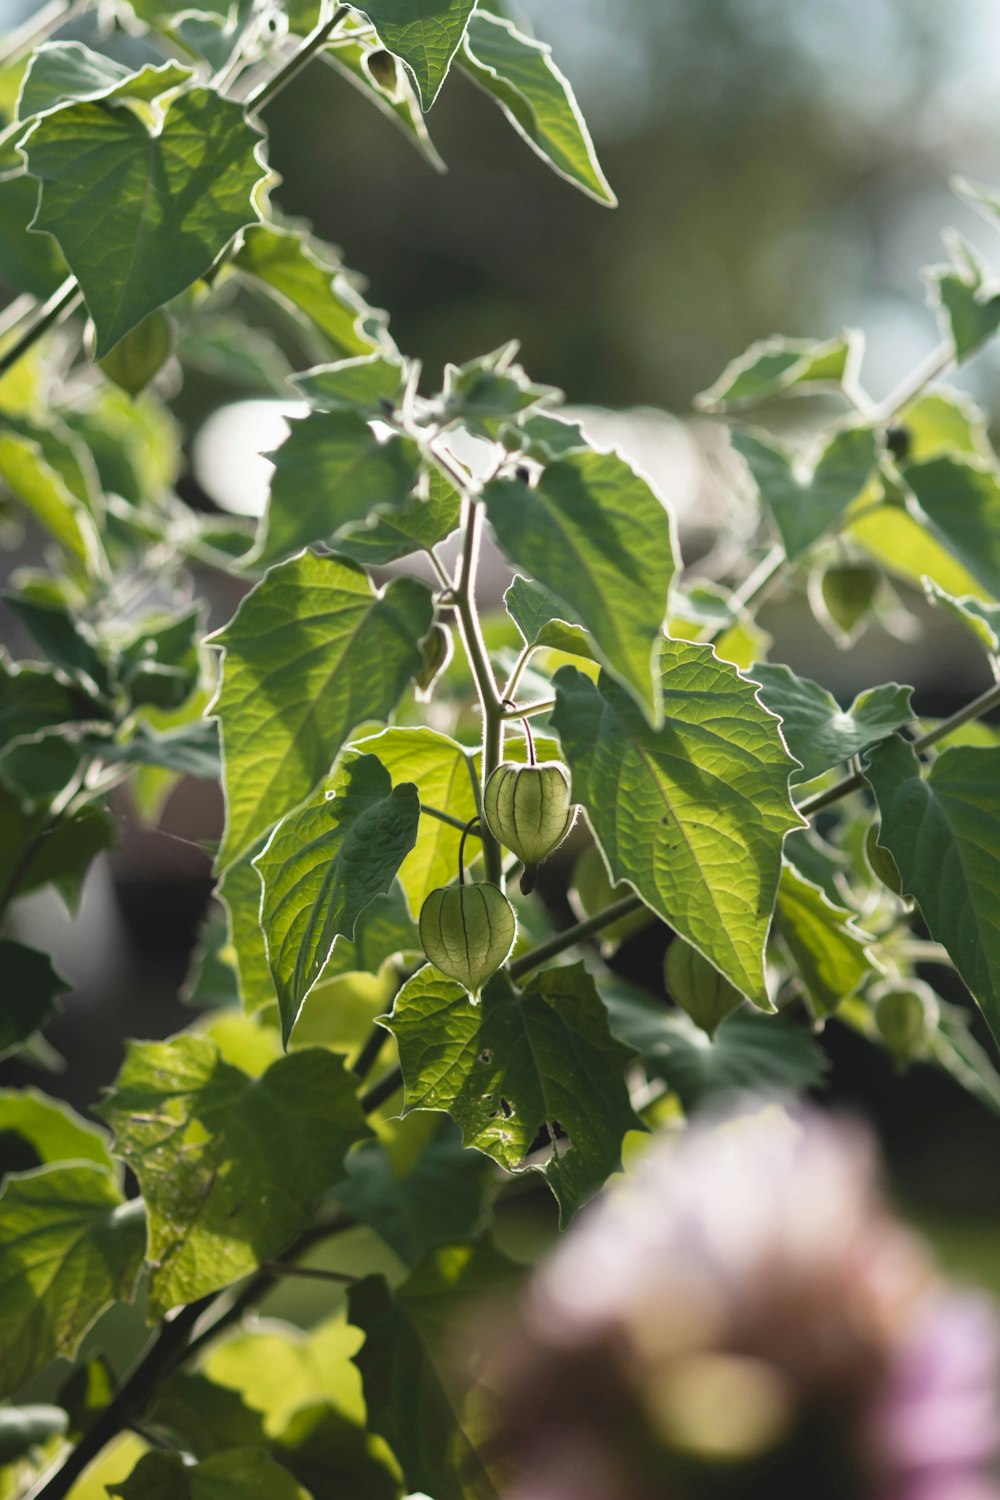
(789, 846)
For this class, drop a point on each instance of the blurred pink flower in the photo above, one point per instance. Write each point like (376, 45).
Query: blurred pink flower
(743, 1316)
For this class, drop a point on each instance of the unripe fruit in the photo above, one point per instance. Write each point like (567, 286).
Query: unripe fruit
(847, 592)
(698, 987)
(529, 809)
(467, 931)
(881, 861)
(904, 1016)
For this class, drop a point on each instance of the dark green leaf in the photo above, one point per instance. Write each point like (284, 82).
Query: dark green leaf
(323, 865)
(330, 1454)
(426, 34)
(311, 653)
(31, 988)
(805, 506)
(139, 217)
(163, 665)
(774, 366)
(139, 357)
(969, 302)
(61, 73)
(982, 620)
(360, 63)
(230, 1166)
(517, 1064)
(190, 751)
(240, 1474)
(817, 730)
(66, 642)
(595, 534)
(961, 500)
(691, 815)
(491, 391)
(37, 851)
(384, 930)
(23, 1428)
(69, 1246)
(34, 698)
(828, 951)
(943, 831)
(417, 525)
(365, 385)
(202, 1417)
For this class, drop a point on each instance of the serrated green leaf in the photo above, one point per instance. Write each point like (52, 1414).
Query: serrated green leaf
(35, 851)
(50, 1130)
(969, 303)
(692, 815)
(500, 1069)
(445, 778)
(31, 479)
(943, 831)
(542, 619)
(311, 653)
(439, 1201)
(332, 470)
(595, 534)
(777, 365)
(828, 951)
(69, 1246)
(817, 730)
(426, 34)
(805, 506)
(537, 98)
(240, 1474)
(364, 385)
(413, 1399)
(230, 1166)
(62, 73)
(398, 101)
(139, 217)
(544, 437)
(960, 498)
(31, 988)
(307, 275)
(487, 393)
(323, 865)
(417, 525)
(981, 620)
(749, 1054)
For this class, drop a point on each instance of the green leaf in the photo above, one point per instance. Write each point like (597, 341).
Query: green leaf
(230, 1166)
(541, 619)
(775, 366)
(307, 276)
(544, 437)
(691, 815)
(501, 1070)
(162, 663)
(537, 98)
(69, 1246)
(397, 100)
(970, 304)
(28, 262)
(817, 730)
(426, 34)
(413, 1398)
(331, 470)
(48, 1129)
(487, 393)
(34, 698)
(445, 778)
(323, 865)
(439, 1201)
(981, 620)
(953, 1047)
(417, 525)
(31, 988)
(311, 653)
(960, 498)
(139, 217)
(27, 474)
(62, 73)
(828, 951)
(23, 1428)
(804, 506)
(66, 642)
(334, 1456)
(943, 831)
(384, 930)
(366, 385)
(749, 1054)
(202, 1417)
(190, 751)
(242, 892)
(35, 851)
(595, 534)
(240, 1474)
(140, 356)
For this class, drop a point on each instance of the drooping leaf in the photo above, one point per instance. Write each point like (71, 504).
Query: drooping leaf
(487, 393)
(778, 365)
(61, 73)
(49, 1130)
(395, 97)
(426, 34)
(969, 302)
(537, 98)
(69, 1246)
(139, 217)
(323, 865)
(692, 815)
(413, 1399)
(190, 751)
(306, 275)
(961, 500)
(749, 1054)
(36, 850)
(500, 1069)
(67, 643)
(203, 1417)
(542, 619)
(242, 892)
(311, 653)
(817, 730)
(383, 930)
(230, 1166)
(31, 988)
(805, 506)
(35, 484)
(595, 534)
(445, 778)
(943, 831)
(828, 951)
(364, 385)
(954, 1048)
(332, 470)
(417, 525)
(240, 1474)
(981, 620)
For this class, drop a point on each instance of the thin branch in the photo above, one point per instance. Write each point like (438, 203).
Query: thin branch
(313, 42)
(575, 934)
(368, 1055)
(530, 710)
(936, 363)
(443, 817)
(381, 1091)
(308, 1273)
(62, 302)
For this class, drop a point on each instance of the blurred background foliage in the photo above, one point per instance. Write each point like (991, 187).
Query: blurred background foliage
(779, 167)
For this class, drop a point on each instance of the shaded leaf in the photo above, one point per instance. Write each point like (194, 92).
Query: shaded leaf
(396, 97)
(31, 479)
(828, 951)
(778, 365)
(981, 620)
(542, 619)
(61, 73)
(203, 1417)
(817, 730)
(363, 385)
(23, 1428)
(240, 1474)
(50, 1130)
(31, 988)
(426, 34)
(417, 525)
(969, 302)
(960, 498)
(487, 393)
(804, 506)
(36, 850)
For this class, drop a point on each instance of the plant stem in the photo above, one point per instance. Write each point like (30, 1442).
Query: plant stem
(313, 42)
(311, 1273)
(62, 301)
(575, 934)
(530, 709)
(443, 817)
(915, 384)
(381, 1091)
(368, 1056)
(482, 672)
(753, 590)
